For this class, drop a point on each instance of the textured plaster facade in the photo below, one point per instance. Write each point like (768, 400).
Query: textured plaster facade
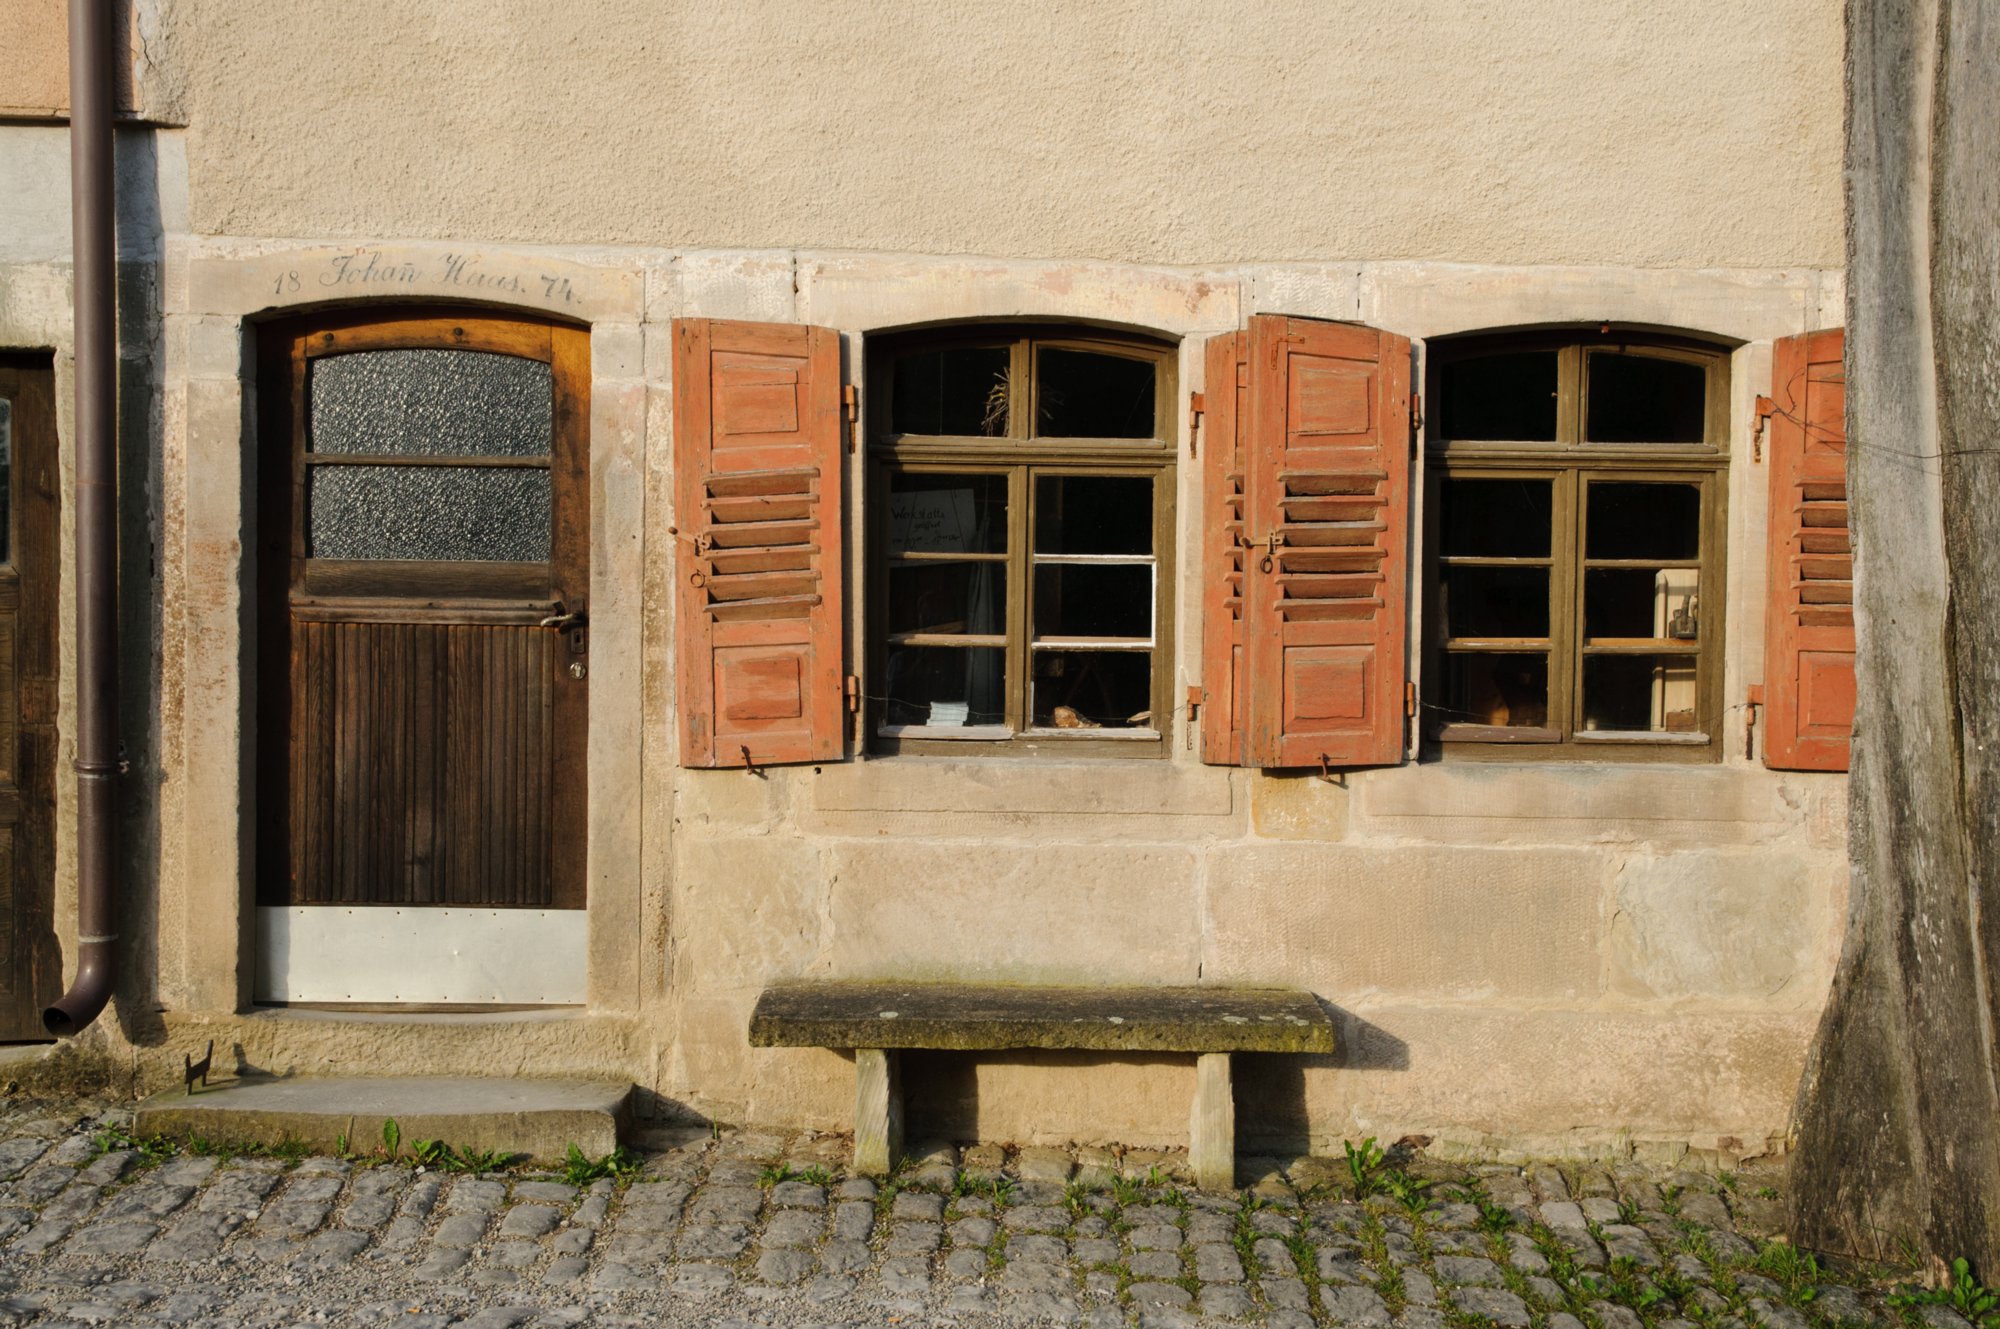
(1524, 956)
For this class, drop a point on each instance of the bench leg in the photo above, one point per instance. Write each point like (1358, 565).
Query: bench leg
(1212, 1125)
(878, 1112)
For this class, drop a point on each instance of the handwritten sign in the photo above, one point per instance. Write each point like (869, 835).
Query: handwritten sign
(933, 521)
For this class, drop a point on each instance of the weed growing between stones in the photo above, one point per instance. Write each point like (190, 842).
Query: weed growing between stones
(1962, 1292)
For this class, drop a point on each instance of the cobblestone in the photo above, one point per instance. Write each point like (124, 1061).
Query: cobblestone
(705, 1234)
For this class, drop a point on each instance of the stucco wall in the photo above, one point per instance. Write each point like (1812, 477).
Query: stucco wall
(1524, 956)
(1699, 134)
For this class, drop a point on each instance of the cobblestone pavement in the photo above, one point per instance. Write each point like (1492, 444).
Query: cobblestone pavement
(748, 1229)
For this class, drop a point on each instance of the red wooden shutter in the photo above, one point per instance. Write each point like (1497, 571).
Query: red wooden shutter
(1809, 628)
(757, 453)
(1326, 453)
(1225, 682)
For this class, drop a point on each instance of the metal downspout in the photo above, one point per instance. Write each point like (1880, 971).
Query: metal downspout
(93, 232)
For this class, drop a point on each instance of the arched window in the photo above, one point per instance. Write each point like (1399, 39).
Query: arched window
(1021, 541)
(1575, 539)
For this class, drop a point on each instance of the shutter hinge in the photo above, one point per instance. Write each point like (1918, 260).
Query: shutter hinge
(852, 402)
(1409, 699)
(1196, 404)
(1766, 408)
(1752, 702)
(851, 686)
(1416, 422)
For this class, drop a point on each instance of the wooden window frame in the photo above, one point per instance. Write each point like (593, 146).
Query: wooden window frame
(1021, 456)
(1571, 463)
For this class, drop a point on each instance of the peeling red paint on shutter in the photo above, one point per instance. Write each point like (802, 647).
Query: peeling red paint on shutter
(1224, 679)
(757, 454)
(1326, 455)
(1809, 628)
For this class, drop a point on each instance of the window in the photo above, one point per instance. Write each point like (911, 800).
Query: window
(1022, 500)
(1575, 544)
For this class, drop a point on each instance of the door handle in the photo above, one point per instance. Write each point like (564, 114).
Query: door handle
(574, 626)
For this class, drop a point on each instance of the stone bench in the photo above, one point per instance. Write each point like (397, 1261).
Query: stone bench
(877, 1020)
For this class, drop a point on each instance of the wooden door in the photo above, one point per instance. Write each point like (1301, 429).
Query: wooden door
(30, 965)
(423, 662)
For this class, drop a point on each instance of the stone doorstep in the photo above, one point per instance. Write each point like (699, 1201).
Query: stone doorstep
(539, 1118)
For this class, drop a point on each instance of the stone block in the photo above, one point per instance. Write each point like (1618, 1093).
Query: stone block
(1464, 923)
(925, 911)
(1724, 926)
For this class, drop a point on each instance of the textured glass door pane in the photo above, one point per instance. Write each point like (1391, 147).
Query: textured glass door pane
(444, 513)
(430, 403)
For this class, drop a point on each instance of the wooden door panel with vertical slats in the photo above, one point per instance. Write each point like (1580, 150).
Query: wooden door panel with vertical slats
(30, 961)
(1326, 456)
(1809, 638)
(757, 449)
(409, 733)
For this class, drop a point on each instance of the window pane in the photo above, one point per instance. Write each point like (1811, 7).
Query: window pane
(1093, 600)
(945, 686)
(1643, 520)
(1495, 602)
(1509, 397)
(427, 512)
(1093, 690)
(947, 514)
(948, 597)
(430, 403)
(1644, 399)
(1492, 689)
(1093, 514)
(1641, 602)
(1648, 693)
(960, 391)
(1081, 394)
(1497, 518)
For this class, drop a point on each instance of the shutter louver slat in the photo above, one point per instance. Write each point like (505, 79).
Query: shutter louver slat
(757, 446)
(1809, 630)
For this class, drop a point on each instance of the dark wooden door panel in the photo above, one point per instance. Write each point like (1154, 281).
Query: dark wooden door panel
(424, 767)
(30, 963)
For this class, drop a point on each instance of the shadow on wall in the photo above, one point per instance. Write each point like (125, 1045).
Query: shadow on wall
(1127, 1098)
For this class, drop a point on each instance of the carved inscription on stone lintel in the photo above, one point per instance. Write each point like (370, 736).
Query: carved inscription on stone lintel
(372, 271)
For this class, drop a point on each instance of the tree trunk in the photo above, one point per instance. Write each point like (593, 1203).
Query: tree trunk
(1898, 1122)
